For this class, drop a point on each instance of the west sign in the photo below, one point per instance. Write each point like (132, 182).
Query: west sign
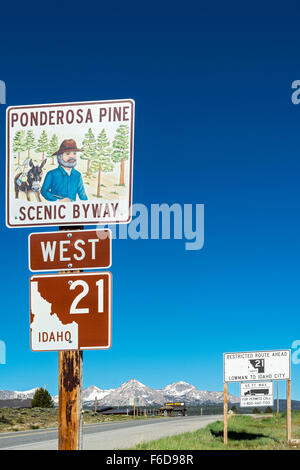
(69, 163)
(69, 250)
(257, 365)
(70, 311)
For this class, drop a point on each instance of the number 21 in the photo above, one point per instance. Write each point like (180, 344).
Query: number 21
(83, 293)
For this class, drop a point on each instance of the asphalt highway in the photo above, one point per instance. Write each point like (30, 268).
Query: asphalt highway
(108, 436)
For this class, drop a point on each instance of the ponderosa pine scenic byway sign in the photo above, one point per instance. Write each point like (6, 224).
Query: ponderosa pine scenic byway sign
(69, 250)
(70, 311)
(69, 163)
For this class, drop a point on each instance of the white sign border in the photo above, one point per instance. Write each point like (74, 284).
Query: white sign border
(69, 269)
(75, 223)
(89, 348)
(258, 350)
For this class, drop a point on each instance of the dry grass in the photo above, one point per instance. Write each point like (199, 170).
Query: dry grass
(22, 419)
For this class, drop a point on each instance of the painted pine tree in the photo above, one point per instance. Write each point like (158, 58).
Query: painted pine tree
(88, 149)
(42, 145)
(30, 142)
(19, 144)
(121, 150)
(53, 147)
(101, 159)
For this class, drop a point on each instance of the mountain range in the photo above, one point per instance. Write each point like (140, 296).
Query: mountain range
(143, 395)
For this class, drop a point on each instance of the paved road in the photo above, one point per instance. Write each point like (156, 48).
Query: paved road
(108, 436)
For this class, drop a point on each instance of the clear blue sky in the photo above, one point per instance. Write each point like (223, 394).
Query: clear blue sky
(214, 125)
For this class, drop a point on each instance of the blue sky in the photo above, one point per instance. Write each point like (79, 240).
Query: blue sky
(215, 125)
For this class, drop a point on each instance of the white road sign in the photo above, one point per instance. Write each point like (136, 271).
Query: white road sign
(256, 394)
(257, 365)
(70, 311)
(69, 163)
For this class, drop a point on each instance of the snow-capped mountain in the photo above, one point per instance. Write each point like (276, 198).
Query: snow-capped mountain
(8, 395)
(92, 392)
(179, 389)
(143, 395)
(133, 389)
(191, 395)
(25, 394)
(89, 394)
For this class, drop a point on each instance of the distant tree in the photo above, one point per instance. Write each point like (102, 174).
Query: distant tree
(255, 411)
(234, 409)
(42, 145)
(42, 399)
(52, 147)
(121, 150)
(101, 159)
(88, 149)
(30, 142)
(268, 410)
(19, 144)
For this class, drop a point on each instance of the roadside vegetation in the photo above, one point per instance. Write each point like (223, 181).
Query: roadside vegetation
(244, 433)
(42, 399)
(23, 419)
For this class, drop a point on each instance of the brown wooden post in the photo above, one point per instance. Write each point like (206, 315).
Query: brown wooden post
(70, 402)
(225, 432)
(70, 417)
(288, 411)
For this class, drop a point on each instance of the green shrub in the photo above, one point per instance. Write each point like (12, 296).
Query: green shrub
(42, 399)
(268, 410)
(256, 411)
(4, 420)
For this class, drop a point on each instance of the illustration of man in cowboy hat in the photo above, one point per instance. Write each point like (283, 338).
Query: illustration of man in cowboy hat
(64, 183)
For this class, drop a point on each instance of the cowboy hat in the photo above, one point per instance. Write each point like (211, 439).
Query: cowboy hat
(66, 146)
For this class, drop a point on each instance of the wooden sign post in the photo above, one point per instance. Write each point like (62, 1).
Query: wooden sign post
(96, 404)
(288, 411)
(70, 417)
(70, 400)
(225, 432)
